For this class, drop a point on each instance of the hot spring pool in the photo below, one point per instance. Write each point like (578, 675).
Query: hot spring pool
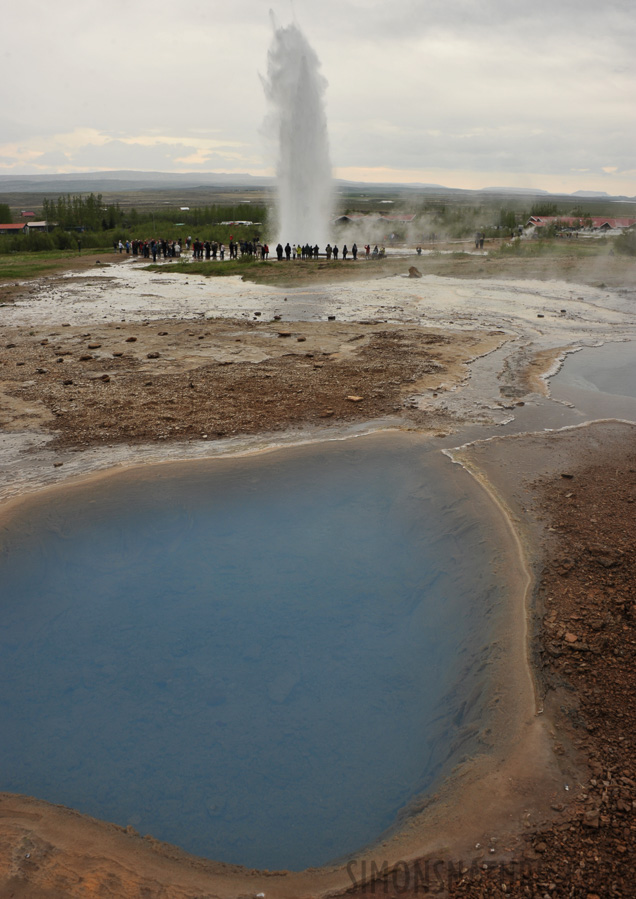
(261, 660)
(600, 381)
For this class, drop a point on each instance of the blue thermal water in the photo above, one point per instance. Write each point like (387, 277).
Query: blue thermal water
(610, 368)
(250, 659)
(600, 382)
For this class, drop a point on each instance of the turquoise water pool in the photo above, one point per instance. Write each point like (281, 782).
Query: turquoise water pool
(260, 660)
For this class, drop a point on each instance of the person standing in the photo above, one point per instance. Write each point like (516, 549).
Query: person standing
(354, 251)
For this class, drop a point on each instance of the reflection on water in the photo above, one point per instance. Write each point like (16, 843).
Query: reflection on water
(600, 381)
(259, 660)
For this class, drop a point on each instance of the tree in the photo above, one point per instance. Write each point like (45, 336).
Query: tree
(507, 219)
(5, 214)
(544, 208)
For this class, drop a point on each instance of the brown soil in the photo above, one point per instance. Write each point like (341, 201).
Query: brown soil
(179, 380)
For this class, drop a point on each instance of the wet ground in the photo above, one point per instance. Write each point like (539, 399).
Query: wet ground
(120, 355)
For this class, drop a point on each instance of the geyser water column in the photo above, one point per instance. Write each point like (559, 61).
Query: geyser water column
(295, 90)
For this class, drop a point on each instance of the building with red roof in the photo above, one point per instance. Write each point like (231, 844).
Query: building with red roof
(14, 229)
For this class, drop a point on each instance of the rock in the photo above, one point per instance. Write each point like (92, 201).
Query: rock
(94, 346)
(570, 638)
(152, 356)
(592, 819)
(355, 399)
(301, 339)
(85, 358)
(105, 378)
(563, 566)
(284, 333)
(131, 339)
(414, 272)
(604, 556)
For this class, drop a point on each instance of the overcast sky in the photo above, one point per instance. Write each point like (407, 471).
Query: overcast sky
(463, 93)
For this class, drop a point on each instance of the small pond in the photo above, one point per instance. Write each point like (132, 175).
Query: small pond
(262, 660)
(600, 381)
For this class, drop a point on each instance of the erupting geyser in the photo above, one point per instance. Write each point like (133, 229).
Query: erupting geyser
(295, 89)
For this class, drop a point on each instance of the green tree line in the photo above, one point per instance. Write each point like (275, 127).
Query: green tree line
(89, 220)
(90, 213)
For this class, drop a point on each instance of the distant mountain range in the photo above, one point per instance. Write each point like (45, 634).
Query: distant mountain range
(126, 180)
(123, 181)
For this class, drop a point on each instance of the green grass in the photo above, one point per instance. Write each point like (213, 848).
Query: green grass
(21, 266)
(209, 268)
(268, 272)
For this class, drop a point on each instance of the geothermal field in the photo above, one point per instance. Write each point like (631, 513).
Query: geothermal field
(268, 520)
(317, 578)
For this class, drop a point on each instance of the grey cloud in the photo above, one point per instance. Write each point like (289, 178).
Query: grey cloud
(540, 86)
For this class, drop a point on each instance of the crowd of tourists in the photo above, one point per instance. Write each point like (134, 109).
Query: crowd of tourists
(298, 251)
(150, 248)
(212, 249)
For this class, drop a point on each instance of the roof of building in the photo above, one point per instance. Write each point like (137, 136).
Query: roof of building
(597, 221)
(376, 217)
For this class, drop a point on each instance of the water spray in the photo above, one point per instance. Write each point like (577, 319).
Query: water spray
(297, 120)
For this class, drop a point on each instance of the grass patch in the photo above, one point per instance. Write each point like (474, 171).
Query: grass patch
(210, 268)
(22, 266)
(282, 274)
